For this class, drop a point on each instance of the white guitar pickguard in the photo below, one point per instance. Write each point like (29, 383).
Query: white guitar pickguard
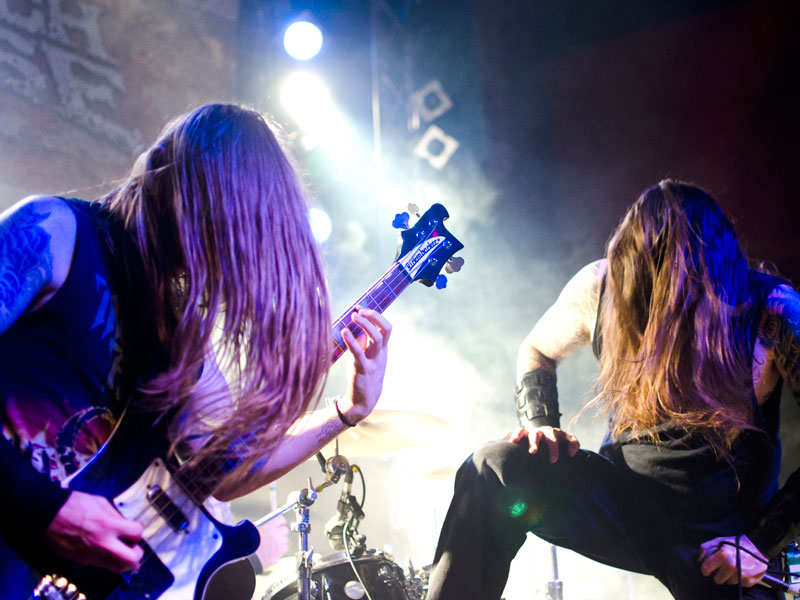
(185, 552)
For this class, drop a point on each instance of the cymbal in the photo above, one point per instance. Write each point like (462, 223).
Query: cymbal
(443, 473)
(386, 431)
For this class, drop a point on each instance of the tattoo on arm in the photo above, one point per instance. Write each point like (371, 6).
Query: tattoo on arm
(780, 334)
(328, 431)
(540, 361)
(26, 262)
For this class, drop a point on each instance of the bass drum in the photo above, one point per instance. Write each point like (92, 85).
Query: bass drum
(333, 576)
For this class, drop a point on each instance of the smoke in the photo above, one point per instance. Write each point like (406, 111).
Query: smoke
(452, 355)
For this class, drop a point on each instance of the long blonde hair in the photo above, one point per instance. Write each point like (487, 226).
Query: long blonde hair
(219, 218)
(675, 318)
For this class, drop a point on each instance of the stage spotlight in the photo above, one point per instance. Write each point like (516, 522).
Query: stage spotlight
(307, 99)
(321, 225)
(308, 102)
(302, 40)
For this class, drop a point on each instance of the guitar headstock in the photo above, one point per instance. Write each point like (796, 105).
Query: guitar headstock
(427, 247)
(424, 251)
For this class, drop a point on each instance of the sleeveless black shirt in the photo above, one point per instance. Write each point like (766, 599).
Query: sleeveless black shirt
(739, 487)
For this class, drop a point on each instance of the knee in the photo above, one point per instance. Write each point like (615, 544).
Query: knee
(500, 459)
(511, 483)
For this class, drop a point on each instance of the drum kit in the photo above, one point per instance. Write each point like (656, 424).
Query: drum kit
(357, 571)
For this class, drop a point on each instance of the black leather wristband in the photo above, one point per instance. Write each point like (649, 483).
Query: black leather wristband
(537, 399)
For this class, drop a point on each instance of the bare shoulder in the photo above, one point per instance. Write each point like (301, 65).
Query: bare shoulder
(783, 293)
(56, 212)
(782, 306)
(589, 275)
(48, 213)
(600, 267)
(37, 237)
(584, 287)
(779, 334)
(569, 323)
(48, 225)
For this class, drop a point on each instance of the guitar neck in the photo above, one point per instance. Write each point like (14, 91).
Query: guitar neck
(378, 297)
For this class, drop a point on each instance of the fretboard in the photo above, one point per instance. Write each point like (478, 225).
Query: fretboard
(378, 297)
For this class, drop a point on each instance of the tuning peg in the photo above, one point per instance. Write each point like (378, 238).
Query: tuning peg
(400, 221)
(454, 264)
(441, 282)
(413, 209)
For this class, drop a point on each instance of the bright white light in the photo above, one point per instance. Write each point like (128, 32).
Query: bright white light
(307, 99)
(302, 40)
(321, 225)
(309, 142)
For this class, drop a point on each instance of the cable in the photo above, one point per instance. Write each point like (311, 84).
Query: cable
(739, 563)
(345, 535)
(743, 549)
(347, 525)
(773, 578)
(363, 485)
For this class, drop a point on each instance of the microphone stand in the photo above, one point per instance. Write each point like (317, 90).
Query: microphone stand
(554, 587)
(303, 527)
(301, 501)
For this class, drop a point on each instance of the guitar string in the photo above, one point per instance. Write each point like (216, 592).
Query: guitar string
(394, 282)
(399, 273)
(193, 490)
(395, 291)
(378, 295)
(381, 296)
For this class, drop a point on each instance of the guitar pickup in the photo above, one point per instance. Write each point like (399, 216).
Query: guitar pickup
(168, 510)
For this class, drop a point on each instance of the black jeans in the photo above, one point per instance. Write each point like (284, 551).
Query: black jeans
(588, 504)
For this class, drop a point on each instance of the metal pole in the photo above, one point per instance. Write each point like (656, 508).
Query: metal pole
(303, 526)
(376, 88)
(555, 589)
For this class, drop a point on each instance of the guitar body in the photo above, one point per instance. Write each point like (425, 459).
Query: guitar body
(184, 545)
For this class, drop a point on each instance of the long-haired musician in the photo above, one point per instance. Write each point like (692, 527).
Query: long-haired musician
(694, 347)
(194, 292)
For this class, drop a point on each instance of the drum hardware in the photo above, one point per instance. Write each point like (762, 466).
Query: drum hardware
(446, 472)
(379, 575)
(326, 588)
(301, 501)
(555, 588)
(415, 585)
(356, 573)
(342, 529)
(349, 512)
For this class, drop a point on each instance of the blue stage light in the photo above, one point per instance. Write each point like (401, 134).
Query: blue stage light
(302, 40)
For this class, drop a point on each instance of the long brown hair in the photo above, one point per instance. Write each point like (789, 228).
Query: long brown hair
(219, 218)
(675, 320)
